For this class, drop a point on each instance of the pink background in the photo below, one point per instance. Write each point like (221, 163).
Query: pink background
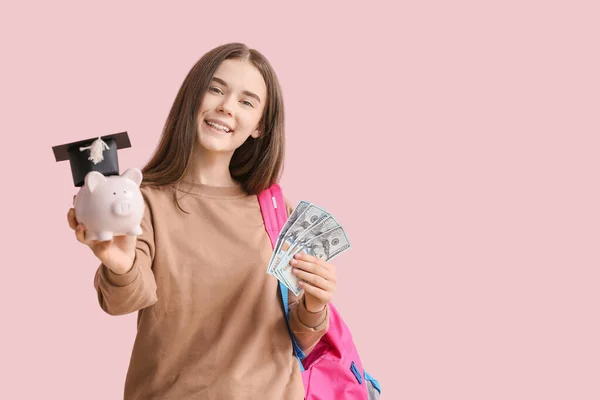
(457, 142)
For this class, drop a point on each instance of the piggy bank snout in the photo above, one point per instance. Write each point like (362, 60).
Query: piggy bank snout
(122, 208)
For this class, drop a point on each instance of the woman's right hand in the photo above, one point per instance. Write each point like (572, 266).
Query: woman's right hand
(116, 254)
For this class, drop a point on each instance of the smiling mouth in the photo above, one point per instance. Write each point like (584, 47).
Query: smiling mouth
(218, 127)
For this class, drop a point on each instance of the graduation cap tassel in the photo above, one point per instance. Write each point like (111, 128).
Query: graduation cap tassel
(96, 149)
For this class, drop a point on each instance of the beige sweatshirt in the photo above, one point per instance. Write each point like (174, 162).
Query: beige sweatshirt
(210, 320)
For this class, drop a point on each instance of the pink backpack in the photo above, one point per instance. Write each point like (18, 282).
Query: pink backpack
(333, 369)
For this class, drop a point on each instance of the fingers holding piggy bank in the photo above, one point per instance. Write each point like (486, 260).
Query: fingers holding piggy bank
(106, 208)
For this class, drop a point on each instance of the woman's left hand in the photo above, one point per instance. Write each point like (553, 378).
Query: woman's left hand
(317, 278)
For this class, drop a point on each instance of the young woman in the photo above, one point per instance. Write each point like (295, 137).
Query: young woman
(210, 320)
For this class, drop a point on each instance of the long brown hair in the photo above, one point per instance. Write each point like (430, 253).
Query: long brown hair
(257, 163)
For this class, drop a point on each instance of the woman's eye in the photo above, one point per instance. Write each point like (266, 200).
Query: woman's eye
(215, 90)
(246, 102)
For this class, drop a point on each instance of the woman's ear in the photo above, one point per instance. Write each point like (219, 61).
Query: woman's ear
(256, 133)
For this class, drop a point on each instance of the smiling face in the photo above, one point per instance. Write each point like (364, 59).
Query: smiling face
(232, 107)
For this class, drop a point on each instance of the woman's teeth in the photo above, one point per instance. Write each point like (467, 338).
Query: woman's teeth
(219, 127)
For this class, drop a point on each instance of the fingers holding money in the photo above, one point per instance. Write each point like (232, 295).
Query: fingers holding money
(314, 232)
(318, 277)
(316, 269)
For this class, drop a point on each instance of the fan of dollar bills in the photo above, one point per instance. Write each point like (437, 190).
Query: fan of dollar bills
(309, 229)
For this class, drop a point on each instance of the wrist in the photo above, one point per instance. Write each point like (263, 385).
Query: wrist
(313, 308)
(120, 269)
(121, 279)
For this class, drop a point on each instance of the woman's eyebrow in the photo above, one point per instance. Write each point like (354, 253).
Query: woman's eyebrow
(246, 92)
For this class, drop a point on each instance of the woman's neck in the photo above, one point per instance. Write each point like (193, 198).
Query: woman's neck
(212, 169)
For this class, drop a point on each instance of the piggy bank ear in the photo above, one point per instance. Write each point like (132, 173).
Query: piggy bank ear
(93, 179)
(133, 174)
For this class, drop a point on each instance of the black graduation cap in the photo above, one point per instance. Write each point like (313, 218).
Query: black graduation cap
(95, 154)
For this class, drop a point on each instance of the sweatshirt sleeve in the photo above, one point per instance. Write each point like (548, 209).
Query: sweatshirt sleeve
(307, 327)
(120, 294)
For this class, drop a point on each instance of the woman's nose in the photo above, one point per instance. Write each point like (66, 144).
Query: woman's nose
(224, 107)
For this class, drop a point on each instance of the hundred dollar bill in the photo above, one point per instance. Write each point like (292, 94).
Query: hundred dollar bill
(286, 247)
(300, 208)
(325, 225)
(326, 246)
(309, 217)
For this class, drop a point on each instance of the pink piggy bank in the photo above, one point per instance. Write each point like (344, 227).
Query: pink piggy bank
(110, 206)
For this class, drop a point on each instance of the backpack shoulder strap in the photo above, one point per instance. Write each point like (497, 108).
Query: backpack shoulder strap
(274, 213)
